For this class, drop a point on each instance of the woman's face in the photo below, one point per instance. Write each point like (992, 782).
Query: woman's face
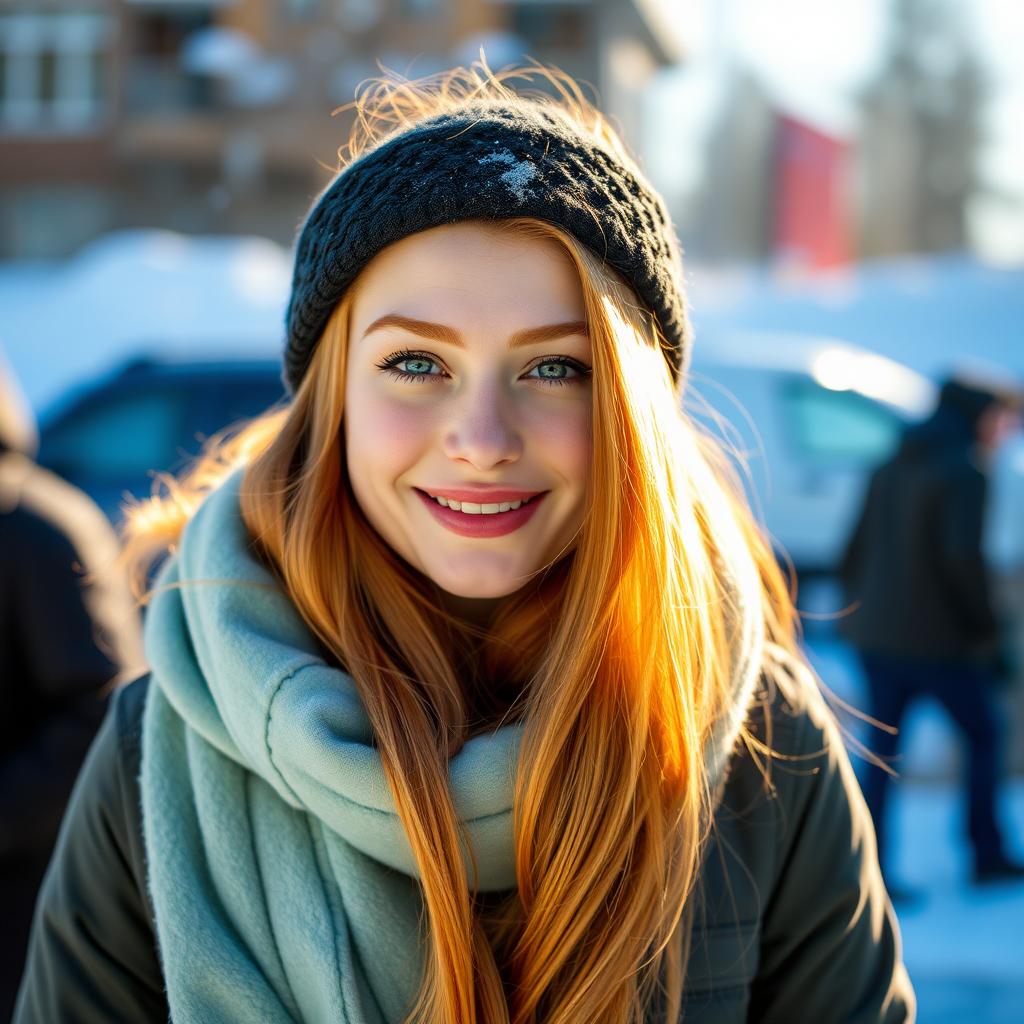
(468, 404)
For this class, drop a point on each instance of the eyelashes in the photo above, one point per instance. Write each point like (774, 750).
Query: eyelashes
(393, 362)
(419, 365)
(581, 371)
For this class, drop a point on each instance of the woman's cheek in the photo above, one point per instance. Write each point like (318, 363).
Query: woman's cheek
(386, 432)
(562, 434)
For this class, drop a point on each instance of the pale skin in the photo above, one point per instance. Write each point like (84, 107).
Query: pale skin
(468, 378)
(997, 424)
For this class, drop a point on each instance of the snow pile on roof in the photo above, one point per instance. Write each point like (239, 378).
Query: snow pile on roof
(141, 293)
(928, 313)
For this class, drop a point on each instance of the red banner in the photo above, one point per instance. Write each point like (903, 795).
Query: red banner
(812, 226)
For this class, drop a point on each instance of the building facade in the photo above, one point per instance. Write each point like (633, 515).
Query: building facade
(215, 116)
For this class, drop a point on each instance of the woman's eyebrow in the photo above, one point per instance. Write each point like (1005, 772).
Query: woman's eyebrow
(424, 328)
(549, 332)
(440, 332)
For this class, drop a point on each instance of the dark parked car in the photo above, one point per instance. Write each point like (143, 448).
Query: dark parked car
(109, 437)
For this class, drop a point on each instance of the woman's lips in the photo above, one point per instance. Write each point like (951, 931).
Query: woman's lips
(483, 524)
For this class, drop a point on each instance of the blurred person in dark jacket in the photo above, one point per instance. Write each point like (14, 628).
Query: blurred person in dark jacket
(922, 616)
(53, 672)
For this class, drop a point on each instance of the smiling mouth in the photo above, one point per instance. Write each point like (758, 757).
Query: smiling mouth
(472, 508)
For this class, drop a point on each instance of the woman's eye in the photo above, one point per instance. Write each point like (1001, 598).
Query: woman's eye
(553, 371)
(558, 370)
(417, 366)
(411, 365)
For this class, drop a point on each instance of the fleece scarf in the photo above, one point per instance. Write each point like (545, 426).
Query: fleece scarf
(283, 884)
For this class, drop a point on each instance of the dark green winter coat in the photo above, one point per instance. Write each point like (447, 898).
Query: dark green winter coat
(791, 921)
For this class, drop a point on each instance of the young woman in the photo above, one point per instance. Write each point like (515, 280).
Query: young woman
(475, 695)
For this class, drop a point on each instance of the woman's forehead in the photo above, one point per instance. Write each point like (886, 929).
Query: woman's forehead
(459, 246)
(473, 273)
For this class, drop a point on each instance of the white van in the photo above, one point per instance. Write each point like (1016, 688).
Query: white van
(810, 418)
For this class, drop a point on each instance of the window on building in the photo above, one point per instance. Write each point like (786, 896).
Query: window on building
(304, 8)
(156, 78)
(53, 71)
(422, 8)
(561, 26)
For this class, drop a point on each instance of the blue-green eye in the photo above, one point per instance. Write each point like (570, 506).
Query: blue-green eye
(411, 365)
(553, 371)
(559, 370)
(416, 366)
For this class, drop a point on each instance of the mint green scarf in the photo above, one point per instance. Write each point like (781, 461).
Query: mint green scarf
(283, 884)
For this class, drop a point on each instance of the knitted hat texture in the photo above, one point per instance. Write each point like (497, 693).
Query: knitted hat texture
(485, 162)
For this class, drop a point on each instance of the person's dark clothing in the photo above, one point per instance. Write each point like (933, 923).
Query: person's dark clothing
(922, 619)
(961, 688)
(792, 924)
(914, 569)
(51, 672)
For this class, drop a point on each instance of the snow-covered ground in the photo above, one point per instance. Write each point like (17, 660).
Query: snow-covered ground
(963, 944)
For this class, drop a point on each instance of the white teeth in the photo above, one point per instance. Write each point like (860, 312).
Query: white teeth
(471, 508)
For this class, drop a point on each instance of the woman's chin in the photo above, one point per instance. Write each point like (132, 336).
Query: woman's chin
(477, 577)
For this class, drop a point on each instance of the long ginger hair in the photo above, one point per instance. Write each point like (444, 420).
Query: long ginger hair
(617, 659)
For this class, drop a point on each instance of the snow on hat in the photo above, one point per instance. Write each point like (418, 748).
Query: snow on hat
(486, 161)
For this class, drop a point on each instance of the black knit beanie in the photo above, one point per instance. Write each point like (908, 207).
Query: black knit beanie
(489, 161)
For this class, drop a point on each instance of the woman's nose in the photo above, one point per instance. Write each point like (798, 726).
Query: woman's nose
(483, 432)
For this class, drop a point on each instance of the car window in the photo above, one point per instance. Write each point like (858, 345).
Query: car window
(243, 401)
(839, 426)
(125, 436)
(223, 404)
